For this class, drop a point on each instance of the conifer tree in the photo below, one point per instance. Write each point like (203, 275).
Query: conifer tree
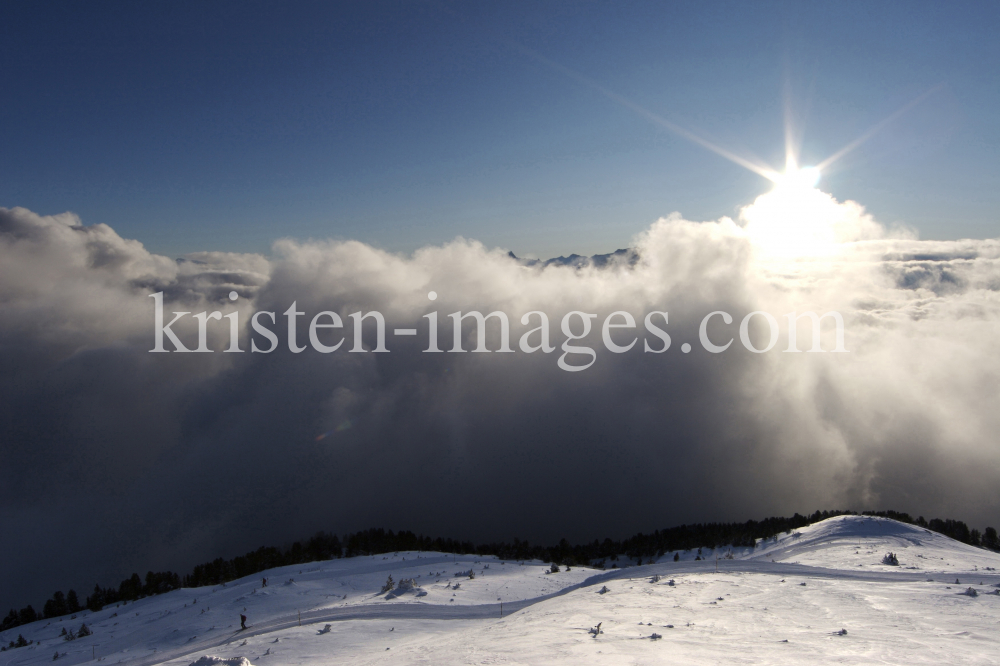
(27, 615)
(55, 606)
(95, 601)
(10, 621)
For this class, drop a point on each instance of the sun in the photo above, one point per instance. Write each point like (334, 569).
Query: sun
(794, 219)
(807, 177)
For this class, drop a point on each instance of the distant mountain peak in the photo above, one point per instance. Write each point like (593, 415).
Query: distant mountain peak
(622, 257)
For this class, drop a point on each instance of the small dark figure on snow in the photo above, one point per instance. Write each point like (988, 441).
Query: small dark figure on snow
(243, 621)
(264, 584)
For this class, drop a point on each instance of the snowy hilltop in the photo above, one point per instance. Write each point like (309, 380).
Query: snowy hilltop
(827, 592)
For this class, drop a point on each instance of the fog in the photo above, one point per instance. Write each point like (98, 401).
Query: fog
(118, 460)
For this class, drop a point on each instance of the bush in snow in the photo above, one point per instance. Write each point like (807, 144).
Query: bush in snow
(677, 557)
(84, 630)
(389, 584)
(971, 592)
(890, 558)
(216, 661)
(555, 568)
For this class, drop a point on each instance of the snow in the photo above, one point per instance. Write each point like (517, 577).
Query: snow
(853, 541)
(817, 595)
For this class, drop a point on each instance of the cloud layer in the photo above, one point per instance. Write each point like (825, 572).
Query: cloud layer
(117, 459)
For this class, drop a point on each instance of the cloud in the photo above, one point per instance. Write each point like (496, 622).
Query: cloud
(127, 459)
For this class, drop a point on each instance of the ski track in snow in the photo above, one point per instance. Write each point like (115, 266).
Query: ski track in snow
(823, 578)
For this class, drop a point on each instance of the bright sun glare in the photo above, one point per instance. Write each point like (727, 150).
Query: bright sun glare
(795, 219)
(805, 177)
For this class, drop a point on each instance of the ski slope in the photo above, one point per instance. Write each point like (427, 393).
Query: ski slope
(786, 601)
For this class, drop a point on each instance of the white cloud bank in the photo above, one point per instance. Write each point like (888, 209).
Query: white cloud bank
(157, 459)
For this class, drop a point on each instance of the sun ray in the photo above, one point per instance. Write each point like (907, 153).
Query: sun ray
(657, 119)
(793, 219)
(875, 129)
(791, 140)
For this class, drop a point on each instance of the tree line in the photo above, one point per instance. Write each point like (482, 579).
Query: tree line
(325, 546)
(61, 604)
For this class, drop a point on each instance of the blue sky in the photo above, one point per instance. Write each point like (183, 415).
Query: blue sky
(223, 126)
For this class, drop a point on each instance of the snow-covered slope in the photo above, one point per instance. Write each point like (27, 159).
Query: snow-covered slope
(862, 541)
(823, 579)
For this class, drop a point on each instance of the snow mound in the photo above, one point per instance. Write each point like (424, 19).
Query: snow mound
(863, 541)
(218, 661)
